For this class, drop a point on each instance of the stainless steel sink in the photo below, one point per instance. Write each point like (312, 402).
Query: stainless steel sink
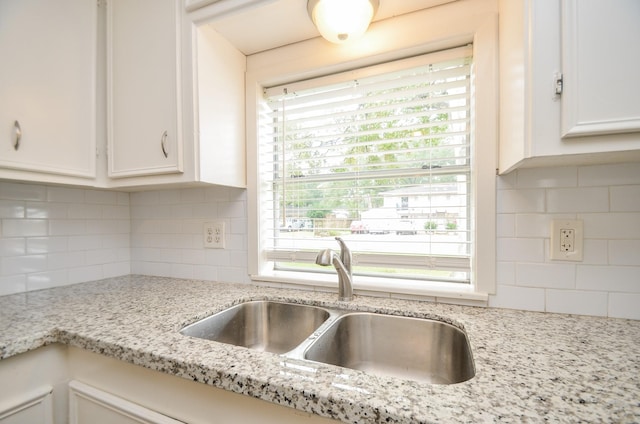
(409, 348)
(262, 325)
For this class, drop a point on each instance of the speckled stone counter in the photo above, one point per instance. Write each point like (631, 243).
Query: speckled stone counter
(530, 367)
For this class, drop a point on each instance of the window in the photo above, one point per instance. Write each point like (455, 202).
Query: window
(412, 194)
(379, 157)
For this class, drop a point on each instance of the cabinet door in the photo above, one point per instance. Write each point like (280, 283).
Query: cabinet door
(600, 62)
(48, 86)
(88, 405)
(28, 408)
(144, 131)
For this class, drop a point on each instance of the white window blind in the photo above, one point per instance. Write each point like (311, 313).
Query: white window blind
(378, 156)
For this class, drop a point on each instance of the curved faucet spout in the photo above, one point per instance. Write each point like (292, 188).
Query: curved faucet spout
(342, 264)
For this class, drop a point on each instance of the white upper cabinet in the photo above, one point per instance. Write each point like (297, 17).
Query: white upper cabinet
(48, 90)
(143, 88)
(175, 94)
(600, 63)
(569, 88)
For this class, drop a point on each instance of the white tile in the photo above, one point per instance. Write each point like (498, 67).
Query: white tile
(506, 225)
(559, 276)
(24, 227)
(12, 265)
(192, 195)
(205, 210)
(524, 250)
(217, 257)
(529, 299)
(506, 273)
(65, 260)
(231, 209)
(41, 245)
(21, 191)
(521, 201)
(595, 252)
(102, 197)
(84, 242)
(624, 305)
(85, 273)
(116, 269)
(589, 199)
(85, 211)
(577, 302)
(507, 181)
(67, 227)
(12, 284)
(193, 256)
(182, 211)
(217, 194)
(548, 177)
(12, 209)
(205, 272)
(46, 280)
(115, 240)
(622, 226)
(233, 275)
(100, 256)
(609, 278)
(624, 252)
(115, 212)
(168, 197)
(533, 225)
(625, 198)
(65, 195)
(46, 210)
(123, 198)
(144, 198)
(182, 271)
(13, 246)
(606, 175)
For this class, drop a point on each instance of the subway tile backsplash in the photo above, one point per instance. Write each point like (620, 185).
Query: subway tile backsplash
(54, 236)
(607, 281)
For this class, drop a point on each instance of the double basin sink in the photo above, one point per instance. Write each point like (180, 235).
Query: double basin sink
(409, 348)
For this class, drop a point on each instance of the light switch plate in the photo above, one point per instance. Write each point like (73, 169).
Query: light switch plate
(567, 240)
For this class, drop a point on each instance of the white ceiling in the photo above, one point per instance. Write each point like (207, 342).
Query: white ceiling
(267, 24)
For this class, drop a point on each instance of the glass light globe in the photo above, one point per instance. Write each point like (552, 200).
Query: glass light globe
(342, 20)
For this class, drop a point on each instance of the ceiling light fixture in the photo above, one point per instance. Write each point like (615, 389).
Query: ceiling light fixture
(342, 20)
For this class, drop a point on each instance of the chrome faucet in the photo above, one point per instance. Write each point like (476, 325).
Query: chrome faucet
(342, 265)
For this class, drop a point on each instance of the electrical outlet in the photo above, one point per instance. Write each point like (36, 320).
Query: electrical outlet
(566, 240)
(213, 234)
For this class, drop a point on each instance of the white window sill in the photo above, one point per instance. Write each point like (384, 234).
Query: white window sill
(379, 287)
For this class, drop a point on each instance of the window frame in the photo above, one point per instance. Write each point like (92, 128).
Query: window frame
(449, 26)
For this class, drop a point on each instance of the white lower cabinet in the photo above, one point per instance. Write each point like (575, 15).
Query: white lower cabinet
(58, 384)
(88, 405)
(27, 408)
(33, 387)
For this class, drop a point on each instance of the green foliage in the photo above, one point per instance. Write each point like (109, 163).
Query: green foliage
(430, 225)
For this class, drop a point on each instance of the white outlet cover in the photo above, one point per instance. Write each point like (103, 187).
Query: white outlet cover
(555, 252)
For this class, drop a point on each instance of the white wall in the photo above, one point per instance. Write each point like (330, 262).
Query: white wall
(607, 199)
(53, 236)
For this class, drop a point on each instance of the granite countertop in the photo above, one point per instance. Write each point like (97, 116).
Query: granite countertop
(529, 366)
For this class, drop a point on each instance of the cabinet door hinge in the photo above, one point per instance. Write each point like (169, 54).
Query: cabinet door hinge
(557, 83)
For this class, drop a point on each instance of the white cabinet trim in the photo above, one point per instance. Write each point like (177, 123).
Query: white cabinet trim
(79, 391)
(32, 399)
